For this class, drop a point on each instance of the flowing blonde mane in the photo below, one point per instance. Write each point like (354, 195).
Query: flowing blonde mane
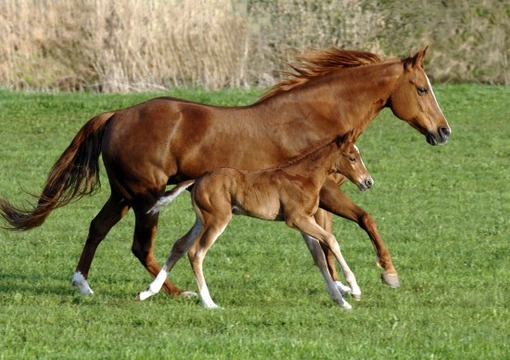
(315, 63)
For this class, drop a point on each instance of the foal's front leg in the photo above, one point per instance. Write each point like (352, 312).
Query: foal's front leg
(325, 221)
(320, 260)
(180, 247)
(311, 243)
(310, 228)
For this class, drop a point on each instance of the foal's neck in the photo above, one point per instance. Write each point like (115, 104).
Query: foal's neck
(316, 165)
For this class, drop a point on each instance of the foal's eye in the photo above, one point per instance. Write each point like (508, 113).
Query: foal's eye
(352, 159)
(422, 91)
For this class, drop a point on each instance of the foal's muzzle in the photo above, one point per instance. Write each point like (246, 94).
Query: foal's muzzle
(439, 138)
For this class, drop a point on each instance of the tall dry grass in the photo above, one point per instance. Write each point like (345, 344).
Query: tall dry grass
(133, 45)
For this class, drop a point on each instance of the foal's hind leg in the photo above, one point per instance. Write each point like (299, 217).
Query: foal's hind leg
(143, 242)
(213, 228)
(180, 247)
(113, 210)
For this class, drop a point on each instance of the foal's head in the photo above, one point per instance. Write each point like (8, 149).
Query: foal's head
(350, 164)
(414, 102)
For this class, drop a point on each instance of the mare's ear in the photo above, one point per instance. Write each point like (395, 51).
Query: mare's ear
(416, 60)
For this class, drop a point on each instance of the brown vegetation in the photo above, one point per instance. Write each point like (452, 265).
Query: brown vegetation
(134, 45)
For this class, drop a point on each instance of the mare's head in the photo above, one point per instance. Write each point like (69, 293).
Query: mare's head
(414, 102)
(350, 164)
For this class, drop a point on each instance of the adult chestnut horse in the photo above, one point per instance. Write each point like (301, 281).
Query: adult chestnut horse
(166, 141)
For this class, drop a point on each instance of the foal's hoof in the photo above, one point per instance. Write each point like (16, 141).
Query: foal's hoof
(346, 306)
(188, 294)
(143, 295)
(356, 297)
(391, 280)
(344, 289)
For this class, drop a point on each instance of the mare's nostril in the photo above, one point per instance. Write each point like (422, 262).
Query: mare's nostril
(369, 183)
(445, 131)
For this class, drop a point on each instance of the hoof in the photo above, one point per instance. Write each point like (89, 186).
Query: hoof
(144, 295)
(188, 294)
(356, 297)
(81, 283)
(344, 289)
(346, 306)
(391, 280)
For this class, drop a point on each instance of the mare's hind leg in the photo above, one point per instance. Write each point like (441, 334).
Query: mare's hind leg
(113, 210)
(180, 247)
(146, 226)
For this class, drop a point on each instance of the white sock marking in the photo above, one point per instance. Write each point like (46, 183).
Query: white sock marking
(81, 283)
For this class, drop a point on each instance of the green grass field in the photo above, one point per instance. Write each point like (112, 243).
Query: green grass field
(444, 213)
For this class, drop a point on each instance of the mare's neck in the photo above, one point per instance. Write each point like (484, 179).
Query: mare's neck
(337, 102)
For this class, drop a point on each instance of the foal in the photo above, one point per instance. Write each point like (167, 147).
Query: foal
(289, 193)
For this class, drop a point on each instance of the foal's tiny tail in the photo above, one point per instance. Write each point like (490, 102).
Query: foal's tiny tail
(74, 175)
(169, 196)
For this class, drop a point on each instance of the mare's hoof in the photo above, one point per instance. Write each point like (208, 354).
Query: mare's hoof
(391, 280)
(356, 297)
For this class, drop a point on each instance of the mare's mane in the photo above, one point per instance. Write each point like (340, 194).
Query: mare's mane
(318, 62)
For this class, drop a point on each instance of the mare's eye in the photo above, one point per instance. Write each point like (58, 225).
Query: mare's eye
(352, 159)
(422, 91)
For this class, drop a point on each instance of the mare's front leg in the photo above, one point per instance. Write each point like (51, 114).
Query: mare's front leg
(334, 200)
(180, 247)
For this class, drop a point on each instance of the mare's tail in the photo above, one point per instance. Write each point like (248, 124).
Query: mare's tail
(74, 175)
(169, 196)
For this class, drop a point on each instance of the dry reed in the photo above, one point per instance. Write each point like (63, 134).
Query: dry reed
(137, 45)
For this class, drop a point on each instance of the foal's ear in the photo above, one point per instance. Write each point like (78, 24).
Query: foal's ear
(349, 136)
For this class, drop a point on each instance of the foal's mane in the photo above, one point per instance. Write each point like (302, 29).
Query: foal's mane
(318, 62)
(295, 159)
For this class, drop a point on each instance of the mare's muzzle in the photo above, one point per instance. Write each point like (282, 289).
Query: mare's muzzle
(440, 137)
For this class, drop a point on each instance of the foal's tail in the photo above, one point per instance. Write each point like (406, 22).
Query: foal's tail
(74, 175)
(169, 196)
